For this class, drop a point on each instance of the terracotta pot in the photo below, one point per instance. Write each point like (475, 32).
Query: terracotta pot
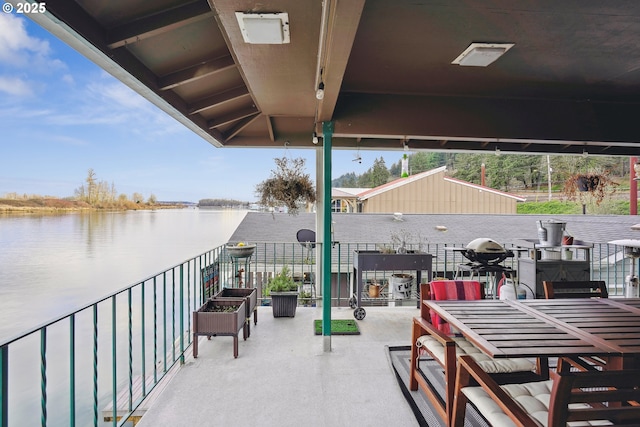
(567, 240)
(374, 291)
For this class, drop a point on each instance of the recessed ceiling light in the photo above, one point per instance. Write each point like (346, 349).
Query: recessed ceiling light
(482, 54)
(264, 28)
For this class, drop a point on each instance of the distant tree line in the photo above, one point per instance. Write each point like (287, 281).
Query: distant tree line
(506, 172)
(101, 194)
(219, 203)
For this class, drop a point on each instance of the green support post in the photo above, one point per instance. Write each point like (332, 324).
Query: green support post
(327, 134)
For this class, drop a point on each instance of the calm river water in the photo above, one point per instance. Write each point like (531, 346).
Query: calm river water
(53, 264)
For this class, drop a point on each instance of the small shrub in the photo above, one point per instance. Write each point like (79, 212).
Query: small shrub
(282, 281)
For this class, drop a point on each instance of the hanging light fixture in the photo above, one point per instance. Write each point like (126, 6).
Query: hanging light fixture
(320, 91)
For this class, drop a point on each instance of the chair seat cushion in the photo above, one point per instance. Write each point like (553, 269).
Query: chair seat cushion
(532, 397)
(488, 364)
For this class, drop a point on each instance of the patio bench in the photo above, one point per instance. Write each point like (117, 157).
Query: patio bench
(587, 397)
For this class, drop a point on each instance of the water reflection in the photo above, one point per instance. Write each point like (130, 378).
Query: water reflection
(53, 264)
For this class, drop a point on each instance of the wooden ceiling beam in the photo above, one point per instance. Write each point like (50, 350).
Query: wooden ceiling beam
(158, 23)
(232, 117)
(218, 99)
(336, 42)
(242, 124)
(196, 72)
(272, 134)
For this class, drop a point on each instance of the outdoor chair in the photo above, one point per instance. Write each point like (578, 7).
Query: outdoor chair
(586, 397)
(579, 289)
(432, 336)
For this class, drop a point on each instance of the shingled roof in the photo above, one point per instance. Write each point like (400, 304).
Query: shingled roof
(460, 228)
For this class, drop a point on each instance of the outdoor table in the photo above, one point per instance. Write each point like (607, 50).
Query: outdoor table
(549, 328)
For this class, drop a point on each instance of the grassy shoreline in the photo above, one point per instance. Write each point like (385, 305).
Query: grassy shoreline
(53, 205)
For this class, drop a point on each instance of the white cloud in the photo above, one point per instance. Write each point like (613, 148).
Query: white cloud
(15, 86)
(109, 90)
(68, 78)
(16, 46)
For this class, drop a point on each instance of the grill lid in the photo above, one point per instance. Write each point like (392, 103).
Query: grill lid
(486, 251)
(484, 245)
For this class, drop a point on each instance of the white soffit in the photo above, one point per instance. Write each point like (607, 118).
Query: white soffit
(264, 28)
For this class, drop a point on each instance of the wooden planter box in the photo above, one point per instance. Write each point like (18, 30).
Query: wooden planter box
(212, 323)
(251, 297)
(284, 303)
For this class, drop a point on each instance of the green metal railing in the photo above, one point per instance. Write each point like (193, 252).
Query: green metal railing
(99, 362)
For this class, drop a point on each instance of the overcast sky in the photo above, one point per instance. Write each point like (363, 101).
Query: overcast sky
(60, 115)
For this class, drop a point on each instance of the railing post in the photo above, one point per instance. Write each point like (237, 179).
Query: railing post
(72, 370)
(114, 360)
(43, 376)
(130, 346)
(95, 364)
(143, 340)
(4, 385)
(181, 314)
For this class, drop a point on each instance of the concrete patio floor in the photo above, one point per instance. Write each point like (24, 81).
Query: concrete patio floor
(282, 376)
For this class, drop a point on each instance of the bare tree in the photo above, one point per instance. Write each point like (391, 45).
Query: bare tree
(91, 185)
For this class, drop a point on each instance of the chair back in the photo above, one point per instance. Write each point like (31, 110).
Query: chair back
(595, 395)
(443, 290)
(579, 289)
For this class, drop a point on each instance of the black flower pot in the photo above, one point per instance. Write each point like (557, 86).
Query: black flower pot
(587, 182)
(284, 304)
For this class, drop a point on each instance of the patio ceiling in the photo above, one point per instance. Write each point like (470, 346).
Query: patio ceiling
(570, 83)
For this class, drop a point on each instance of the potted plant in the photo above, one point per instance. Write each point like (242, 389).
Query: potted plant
(306, 299)
(284, 293)
(595, 186)
(288, 186)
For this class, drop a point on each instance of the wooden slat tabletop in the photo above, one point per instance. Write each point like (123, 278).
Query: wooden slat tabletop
(612, 323)
(507, 329)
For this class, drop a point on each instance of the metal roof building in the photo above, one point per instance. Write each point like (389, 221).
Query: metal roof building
(428, 192)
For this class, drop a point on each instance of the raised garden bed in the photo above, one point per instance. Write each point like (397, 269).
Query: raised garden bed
(223, 317)
(251, 297)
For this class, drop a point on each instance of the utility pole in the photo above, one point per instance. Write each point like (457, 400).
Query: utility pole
(549, 176)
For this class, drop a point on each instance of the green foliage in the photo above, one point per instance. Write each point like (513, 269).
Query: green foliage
(553, 207)
(282, 281)
(507, 172)
(348, 180)
(305, 298)
(220, 202)
(419, 162)
(618, 207)
(377, 174)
